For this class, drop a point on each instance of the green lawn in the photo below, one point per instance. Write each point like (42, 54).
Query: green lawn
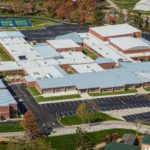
(33, 91)
(89, 53)
(92, 117)
(147, 88)
(4, 56)
(10, 128)
(115, 93)
(69, 71)
(67, 142)
(46, 99)
(126, 4)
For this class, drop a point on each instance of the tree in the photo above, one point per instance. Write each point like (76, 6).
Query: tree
(33, 138)
(98, 17)
(30, 127)
(137, 20)
(82, 112)
(82, 140)
(137, 125)
(147, 24)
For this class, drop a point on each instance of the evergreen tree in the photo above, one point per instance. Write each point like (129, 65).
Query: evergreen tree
(82, 140)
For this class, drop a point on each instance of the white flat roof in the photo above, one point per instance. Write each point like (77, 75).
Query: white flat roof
(113, 30)
(103, 48)
(9, 66)
(70, 58)
(84, 68)
(130, 43)
(19, 47)
(40, 69)
(57, 44)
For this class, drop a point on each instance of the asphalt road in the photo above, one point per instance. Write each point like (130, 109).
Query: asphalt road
(44, 118)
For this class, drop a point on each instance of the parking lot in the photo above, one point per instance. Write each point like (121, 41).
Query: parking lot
(52, 31)
(47, 114)
(44, 118)
(102, 104)
(143, 117)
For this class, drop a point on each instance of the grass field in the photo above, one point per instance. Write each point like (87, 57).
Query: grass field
(46, 99)
(10, 128)
(126, 4)
(4, 56)
(33, 91)
(69, 71)
(67, 142)
(147, 89)
(92, 117)
(89, 53)
(115, 93)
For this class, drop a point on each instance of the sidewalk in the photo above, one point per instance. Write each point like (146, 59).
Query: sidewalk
(86, 98)
(93, 127)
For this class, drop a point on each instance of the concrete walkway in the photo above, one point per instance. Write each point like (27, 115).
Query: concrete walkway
(87, 97)
(87, 127)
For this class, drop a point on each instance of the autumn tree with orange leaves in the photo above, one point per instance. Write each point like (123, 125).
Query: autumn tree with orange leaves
(30, 127)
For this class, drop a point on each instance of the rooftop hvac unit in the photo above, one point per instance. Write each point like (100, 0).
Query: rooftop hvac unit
(23, 57)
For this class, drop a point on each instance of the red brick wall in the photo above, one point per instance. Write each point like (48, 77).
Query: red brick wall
(141, 58)
(107, 65)
(78, 49)
(97, 35)
(97, 54)
(94, 90)
(136, 34)
(4, 112)
(129, 51)
(13, 110)
(132, 86)
(146, 85)
(65, 66)
(119, 89)
(37, 86)
(105, 90)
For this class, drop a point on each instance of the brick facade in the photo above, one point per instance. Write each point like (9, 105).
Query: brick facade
(7, 112)
(108, 65)
(106, 38)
